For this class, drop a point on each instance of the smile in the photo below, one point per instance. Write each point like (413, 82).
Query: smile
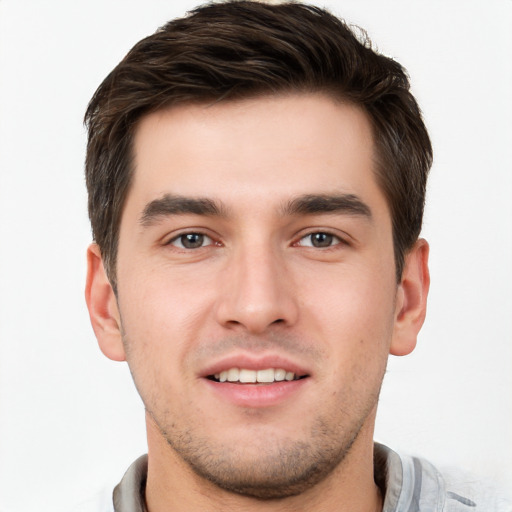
(246, 376)
(256, 382)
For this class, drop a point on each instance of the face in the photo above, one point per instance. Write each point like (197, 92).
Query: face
(257, 294)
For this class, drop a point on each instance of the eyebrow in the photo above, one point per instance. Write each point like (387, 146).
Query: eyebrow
(311, 204)
(179, 205)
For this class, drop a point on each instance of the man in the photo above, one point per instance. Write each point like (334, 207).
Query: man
(256, 180)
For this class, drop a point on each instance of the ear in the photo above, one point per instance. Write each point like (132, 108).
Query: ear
(411, 300)
(102, 305)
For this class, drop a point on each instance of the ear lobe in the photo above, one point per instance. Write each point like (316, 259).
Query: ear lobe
(102, 304)
(411, 300)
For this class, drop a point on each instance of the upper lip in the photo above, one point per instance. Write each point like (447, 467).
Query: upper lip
(254, 362)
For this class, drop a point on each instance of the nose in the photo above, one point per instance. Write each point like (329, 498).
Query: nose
(257, 292)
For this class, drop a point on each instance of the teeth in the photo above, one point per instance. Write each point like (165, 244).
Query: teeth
(248, 375)
(265, 375)
(251, 376)
(279, 374)
(233, 374)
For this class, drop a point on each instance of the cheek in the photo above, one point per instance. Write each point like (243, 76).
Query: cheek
(362, 299)
(163, 301)
(353, 313)
(160, 320)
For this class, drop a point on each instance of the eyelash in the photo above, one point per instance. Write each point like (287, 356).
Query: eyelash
(334, 240)
(178, 241)
(182, 236)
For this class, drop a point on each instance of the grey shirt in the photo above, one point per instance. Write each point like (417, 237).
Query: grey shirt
(409, 484)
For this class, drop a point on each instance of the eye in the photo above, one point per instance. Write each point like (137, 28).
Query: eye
(191, 241)
(319, 239)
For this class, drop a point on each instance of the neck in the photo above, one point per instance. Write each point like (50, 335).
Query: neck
(173, 485)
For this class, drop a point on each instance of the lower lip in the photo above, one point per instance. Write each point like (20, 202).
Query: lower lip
(256, 395)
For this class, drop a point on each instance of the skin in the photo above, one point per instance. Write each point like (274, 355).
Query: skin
(256, 287)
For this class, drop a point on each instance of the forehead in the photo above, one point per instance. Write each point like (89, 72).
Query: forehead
(254, 150)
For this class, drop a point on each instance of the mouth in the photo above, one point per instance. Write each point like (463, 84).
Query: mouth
(248, 376)
(256, 381)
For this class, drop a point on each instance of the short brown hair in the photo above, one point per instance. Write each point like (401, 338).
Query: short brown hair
(242, 49)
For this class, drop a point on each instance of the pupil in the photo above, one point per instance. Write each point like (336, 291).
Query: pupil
(321, 240)
(192, 240)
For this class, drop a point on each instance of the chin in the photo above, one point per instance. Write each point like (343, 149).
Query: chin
(270, 468)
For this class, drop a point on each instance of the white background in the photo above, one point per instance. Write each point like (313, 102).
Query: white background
(70, 420)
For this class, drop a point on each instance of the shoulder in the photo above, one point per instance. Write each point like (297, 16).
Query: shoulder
(480, 493)
(100, 502)
(413, 483)
(127, 495)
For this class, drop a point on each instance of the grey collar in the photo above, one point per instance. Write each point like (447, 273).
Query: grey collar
(405, 483)
(129, 493)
